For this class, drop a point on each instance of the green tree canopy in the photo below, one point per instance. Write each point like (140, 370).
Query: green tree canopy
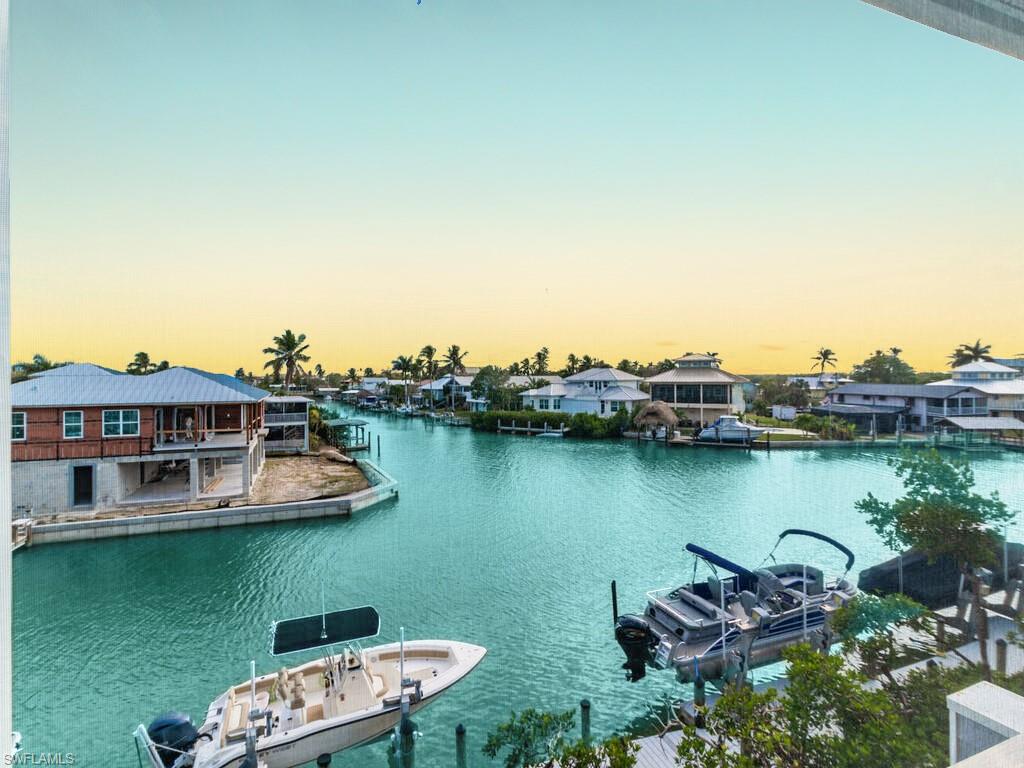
(884, 368)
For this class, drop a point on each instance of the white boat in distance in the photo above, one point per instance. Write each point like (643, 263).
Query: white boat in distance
(290, 717)
(729, 429)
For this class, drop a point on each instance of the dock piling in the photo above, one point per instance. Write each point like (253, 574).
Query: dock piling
(585, 719)
(322, 761)
(700, 696)
(1001, 656)
(460, 746)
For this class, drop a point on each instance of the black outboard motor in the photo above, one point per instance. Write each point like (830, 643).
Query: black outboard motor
(174, 730)
(634, 636)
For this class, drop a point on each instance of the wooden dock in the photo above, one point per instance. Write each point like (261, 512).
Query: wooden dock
(530, 429)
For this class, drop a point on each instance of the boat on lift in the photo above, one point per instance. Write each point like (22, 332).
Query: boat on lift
(290, 717)
(721, 627)
(729, 429)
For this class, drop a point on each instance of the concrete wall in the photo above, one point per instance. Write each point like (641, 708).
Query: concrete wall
(382, 488)
(44, 487)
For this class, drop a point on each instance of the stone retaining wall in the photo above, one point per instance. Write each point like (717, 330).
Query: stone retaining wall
(382, 487)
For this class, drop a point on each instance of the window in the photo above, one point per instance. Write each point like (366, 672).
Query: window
(73, 428)
(121, 423)
(716, 393)
(615, 406)
(663, 392)
(18, 426)
(543, 404)
(688, 393)
(556, 404)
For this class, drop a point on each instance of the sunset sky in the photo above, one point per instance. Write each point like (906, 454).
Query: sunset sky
(620, 179)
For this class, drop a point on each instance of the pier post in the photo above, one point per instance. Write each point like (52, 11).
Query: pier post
(940, 632)
(768, 441)
(460, 746)
(378, 446)
(585, 719)
(1001, 656)
(499, 426)
(322, 761)
(700, 697)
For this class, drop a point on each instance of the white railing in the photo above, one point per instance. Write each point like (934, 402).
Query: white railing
(975, 411)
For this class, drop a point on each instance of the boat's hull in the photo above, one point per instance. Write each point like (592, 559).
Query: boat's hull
(305, 748)
(715, 435)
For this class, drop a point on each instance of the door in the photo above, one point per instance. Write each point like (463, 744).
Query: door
(82, 484)
(158, 425)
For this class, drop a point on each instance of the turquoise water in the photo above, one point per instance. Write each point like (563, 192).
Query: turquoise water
(509, 542)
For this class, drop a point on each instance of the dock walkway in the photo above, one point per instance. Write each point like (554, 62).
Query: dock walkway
(660, 751)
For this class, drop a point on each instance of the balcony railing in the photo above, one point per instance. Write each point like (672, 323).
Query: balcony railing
(285, 418)
(979, 410)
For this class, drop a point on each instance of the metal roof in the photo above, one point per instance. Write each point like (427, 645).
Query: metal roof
(601, 374)
(984, 423)
(171, 387)
(707, 375)
(940, 391)
(78, 369)
(288, 399)
(853, 409)
(623, 393)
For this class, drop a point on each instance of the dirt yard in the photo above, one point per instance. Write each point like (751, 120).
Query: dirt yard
(297, 478)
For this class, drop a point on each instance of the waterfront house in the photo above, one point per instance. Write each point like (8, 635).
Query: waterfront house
(875, 408)
(287, 421)
(601, 391)
(819, 384)
(87, 439)
(480, 404)
(699, 387)
(1002, 386)
(441, 389)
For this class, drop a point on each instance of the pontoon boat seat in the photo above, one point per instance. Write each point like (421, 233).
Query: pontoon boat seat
(768, 583)
(748, 600)
(792, 576)
(715, 587)
(703, 606)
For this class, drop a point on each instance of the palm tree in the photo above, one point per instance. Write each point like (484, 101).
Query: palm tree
(970, 353)
(572, 364)
(713, 356)
(540, 360)
(428, 353)
(825, 357)
(895, 351)
(288, 352)
(367, 371)
(140, 364)
(318, 371)
(404, 365)
(453, 360)
(525, 366)
(586, 363)
(513, 369)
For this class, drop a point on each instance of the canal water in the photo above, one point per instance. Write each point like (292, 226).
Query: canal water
(509, 542)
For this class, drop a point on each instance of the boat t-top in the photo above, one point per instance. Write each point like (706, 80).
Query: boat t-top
(294, 715)
(721, 627)
(729, 429)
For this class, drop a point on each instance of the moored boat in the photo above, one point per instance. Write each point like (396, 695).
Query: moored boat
(729, 429)
(723, 626)
(290, 717)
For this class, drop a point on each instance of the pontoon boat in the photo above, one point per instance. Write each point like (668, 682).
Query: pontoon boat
(718, 628)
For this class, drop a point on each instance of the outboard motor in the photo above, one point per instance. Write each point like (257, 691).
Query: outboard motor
(174, 730)
(634, 636)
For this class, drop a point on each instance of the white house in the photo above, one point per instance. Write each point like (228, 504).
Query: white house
(440, 390)
(1002, 386)
(601, 391)
(480, 404)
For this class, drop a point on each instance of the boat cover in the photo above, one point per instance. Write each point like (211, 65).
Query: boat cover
(746, 577)
(324, 629)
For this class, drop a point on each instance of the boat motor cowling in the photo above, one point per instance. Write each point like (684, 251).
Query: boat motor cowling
(172, 733)
(634, 636)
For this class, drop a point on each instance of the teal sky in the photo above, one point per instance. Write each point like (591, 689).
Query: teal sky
(508, 174)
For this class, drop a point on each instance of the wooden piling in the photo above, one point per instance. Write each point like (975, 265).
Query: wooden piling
(1001, 656)
(585, 719)
(940, 632)
(460, 746)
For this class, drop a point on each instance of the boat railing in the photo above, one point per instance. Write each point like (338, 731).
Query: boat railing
(145, 745)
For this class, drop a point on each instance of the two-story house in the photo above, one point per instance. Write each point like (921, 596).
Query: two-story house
(700, 388)
(86, 439)
(601, 391)
(1002, 386)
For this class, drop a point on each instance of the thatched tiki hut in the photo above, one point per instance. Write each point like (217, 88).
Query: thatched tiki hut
(657, 414)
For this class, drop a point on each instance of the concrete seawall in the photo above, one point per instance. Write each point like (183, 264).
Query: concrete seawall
(382, 487)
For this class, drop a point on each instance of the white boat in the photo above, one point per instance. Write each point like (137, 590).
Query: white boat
(290, 717)
(729, 429)
(405, 410)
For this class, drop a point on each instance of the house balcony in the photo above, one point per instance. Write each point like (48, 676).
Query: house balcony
(285, 418)
(1007, 405)
(980, 410)
(195, 440)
